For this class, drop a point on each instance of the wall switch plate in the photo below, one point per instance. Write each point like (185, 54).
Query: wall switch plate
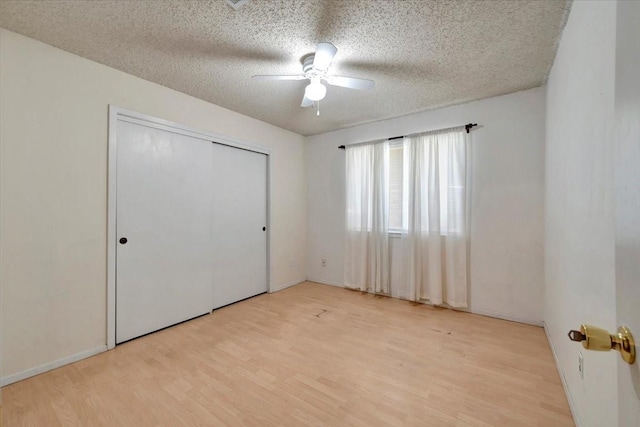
(324, 262)
(581, 365)
(290, 262)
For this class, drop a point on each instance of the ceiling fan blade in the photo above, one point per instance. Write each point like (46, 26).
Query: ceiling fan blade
(306, 102)
(324, 55)
(351, 82)
(259, 77)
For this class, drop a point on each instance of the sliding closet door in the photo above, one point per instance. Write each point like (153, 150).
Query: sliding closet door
(165, 245)
(239, 224)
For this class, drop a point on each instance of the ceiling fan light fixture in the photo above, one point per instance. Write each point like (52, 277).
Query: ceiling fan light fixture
(315, 68)
(315, 91)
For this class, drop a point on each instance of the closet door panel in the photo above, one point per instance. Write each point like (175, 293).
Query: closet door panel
(239, 216)
(164, 209)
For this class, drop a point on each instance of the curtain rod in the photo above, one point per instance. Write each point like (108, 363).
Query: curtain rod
(466, 127)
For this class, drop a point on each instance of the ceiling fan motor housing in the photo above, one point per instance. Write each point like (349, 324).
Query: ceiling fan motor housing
(307, 67)
(316, 69)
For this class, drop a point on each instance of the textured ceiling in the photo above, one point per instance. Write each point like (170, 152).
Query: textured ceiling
(422, 54)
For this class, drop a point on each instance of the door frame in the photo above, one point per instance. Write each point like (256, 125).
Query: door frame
(118, 113)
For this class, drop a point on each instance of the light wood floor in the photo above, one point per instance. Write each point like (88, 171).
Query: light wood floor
(309, 355)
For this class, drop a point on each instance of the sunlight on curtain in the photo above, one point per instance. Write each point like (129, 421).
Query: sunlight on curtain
(367, 236)
(434, 238)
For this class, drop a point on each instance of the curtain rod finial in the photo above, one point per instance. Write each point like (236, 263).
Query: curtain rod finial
(469, 126)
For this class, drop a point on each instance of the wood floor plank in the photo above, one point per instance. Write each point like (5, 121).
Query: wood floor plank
(310, 355)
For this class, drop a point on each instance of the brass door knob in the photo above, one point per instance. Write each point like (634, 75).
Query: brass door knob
(598, 339)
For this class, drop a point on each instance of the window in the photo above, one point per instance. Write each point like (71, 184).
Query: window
(410, 185)
(396, 184)
(451, 189)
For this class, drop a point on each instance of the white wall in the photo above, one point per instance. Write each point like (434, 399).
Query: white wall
(579, 232)
(507, 199)
(53, 114)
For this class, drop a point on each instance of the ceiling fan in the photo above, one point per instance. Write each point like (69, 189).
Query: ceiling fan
(315, 67)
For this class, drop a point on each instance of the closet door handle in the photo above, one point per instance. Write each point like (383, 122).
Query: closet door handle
(123, 240)
(264, 228)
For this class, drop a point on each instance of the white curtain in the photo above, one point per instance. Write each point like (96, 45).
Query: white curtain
(367, 238)
(434, 239)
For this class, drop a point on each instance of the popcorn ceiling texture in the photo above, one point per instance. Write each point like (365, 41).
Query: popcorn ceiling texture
(422, 54)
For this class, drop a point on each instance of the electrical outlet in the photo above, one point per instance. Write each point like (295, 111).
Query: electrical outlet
(581, 365)
(290, 262)
(324, 262)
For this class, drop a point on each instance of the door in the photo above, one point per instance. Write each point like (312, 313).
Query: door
(627, 196)
(239, 224)
(163, 230)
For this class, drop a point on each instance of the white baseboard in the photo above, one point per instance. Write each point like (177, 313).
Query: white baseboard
(326, 282)
(472, 310)
(276, 288)
(564, 381)
(19, 376)
(505, 317)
